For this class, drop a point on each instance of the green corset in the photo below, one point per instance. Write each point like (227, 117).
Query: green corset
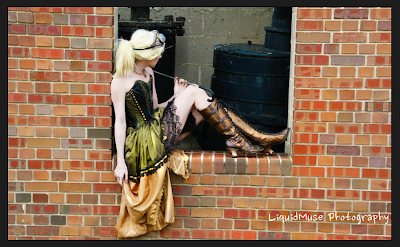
(144, 149)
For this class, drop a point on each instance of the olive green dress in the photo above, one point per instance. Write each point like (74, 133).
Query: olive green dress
(144, 149)
(147, 200)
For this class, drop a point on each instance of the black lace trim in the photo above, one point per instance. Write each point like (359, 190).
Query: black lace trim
(150, 170)
(172, 127)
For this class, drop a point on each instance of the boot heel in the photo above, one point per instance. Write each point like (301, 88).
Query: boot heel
(235, 153)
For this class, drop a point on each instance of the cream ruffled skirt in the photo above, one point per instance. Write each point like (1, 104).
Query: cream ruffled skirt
(148, 205)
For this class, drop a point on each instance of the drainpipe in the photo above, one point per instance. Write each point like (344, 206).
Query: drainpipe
(288, 143)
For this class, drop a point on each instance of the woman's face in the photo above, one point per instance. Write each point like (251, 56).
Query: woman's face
(153, 63)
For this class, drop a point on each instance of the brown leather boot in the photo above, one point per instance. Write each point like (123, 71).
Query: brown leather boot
(216, 115)
(264, 139)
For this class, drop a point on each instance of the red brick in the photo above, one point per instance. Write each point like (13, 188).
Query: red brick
(307, 71)
(104, 32)
(17, 97)
(308, 48)
(13, 40)
(368, 26)
(77, 19)
(207, 234)
(377, 195)
(76, 121)
(78, 31)
(100, 43)
(244, 235)
(107, 210)
(310, 25)
(16, 28)
(310, 127)
(306, 93)
(79, 10)
(44, 41)
(44, 30)
(100, 20)
(350, 25)
(314, 13)
(18, 52)
(61, 42)
(383, 13)
(78, 77)
(104, 55)
(309, 149)
(12, 63)
(106, 188)
(99, 66)
(384, 25)
(42, 230)
(42, 87)
(312, 59)
(333, 25)
(77, 65)
(306, 116)
(380, 37)
(46, 9)
(41, 186)
(351, 14)
(75, 187)
(104, 10)
(26, 41)
(379, 60)
(25, 17)
(378, 83)
(313, 37)
(44, 64)
(16, 142)
(350, 37)
(47, 53)
(42, 18)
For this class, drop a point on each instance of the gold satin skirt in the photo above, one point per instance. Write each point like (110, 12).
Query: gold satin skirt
(148, 205)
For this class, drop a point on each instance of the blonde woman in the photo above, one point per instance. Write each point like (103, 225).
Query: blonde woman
(147, 132)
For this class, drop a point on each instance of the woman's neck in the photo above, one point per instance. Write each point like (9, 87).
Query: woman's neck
(139, 67)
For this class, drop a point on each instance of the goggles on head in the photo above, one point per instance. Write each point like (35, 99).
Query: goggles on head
(159, 40)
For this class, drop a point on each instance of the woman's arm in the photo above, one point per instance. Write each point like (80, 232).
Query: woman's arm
(118, 99)
(180, 85)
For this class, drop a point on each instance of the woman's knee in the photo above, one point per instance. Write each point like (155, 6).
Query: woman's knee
(192, 89)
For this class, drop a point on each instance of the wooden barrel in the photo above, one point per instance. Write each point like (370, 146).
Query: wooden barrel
(252, 80)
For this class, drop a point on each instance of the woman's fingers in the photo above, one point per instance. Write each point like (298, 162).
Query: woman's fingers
(121, 172)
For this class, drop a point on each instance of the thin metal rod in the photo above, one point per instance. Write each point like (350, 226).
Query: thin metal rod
(207, 89)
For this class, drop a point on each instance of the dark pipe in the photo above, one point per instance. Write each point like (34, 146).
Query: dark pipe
(140, 13)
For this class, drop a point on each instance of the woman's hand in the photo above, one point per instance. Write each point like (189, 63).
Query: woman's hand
(120, 172)
(180, 85)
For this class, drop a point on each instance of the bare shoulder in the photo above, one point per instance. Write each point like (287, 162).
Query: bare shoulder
(118, 86)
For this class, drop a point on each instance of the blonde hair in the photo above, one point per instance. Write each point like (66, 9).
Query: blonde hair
(126, 55)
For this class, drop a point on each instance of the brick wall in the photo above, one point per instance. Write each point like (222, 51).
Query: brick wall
(60, 180)
(59, 119)
(341, 144)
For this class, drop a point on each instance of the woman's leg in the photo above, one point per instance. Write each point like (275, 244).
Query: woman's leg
(197, 117)
(189, 100)
(193, 97)
(176, 114)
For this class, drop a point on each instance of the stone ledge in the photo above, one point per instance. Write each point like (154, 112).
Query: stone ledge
(219, 162)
